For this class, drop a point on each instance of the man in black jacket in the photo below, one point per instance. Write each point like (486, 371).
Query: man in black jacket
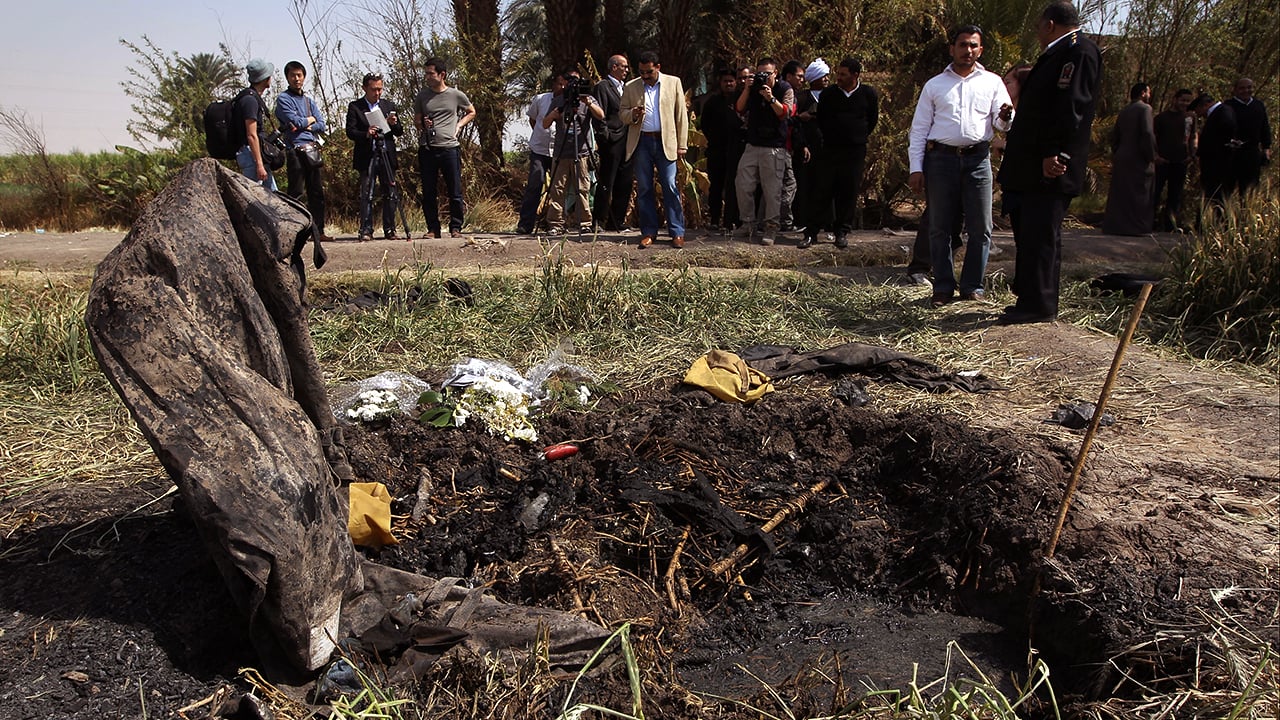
(613, 177)
(847, 113)
(1174, 129)
(1253, 129)
(369, 167)
(1216, 149)
(722, 126)
(1044, 162)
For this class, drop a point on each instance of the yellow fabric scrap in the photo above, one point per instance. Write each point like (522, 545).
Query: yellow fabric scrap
(728, 377)
(369, 523)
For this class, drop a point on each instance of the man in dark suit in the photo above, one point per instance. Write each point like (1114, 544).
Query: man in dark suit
(1216, 149)
(1044, 162)
(362, 157)
(613, 178)
(1254, 132)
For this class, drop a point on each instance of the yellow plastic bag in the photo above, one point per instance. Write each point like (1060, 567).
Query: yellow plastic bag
(728, 377)
(369, 523)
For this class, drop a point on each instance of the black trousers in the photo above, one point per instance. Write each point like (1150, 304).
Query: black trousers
(722, 193)
(613, 185)
(1037, 235)
(837, 183)
(304, 178)
(1174, 176)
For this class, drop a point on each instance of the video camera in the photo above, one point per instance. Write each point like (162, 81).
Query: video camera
(573, 91)
(760, 79)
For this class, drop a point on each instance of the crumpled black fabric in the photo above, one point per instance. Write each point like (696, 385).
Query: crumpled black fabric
(780, 361)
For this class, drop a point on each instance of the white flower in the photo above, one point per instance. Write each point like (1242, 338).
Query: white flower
(503, 409)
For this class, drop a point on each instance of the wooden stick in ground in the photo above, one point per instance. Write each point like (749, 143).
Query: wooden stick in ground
(793, 506)
(1097, 418)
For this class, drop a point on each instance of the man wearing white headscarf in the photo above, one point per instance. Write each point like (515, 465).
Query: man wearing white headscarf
(809, 162)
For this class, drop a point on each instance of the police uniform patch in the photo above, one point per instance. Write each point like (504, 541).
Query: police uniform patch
(1064, 79)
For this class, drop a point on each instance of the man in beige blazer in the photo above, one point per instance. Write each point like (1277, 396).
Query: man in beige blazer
(656, 138)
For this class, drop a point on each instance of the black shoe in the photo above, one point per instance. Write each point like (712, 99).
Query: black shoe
(524, 231)
(805, 242)
(842, 241)
(787, 227)
(938, 300)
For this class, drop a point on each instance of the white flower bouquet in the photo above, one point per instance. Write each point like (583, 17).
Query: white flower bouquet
(502, 408)
(372, 406)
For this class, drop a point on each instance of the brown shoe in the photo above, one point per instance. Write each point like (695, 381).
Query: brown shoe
(366, 238)
(646, 241)
(677, 242)
(975, 295)
(455, 234)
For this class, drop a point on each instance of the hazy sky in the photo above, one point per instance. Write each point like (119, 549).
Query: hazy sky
(63, 61)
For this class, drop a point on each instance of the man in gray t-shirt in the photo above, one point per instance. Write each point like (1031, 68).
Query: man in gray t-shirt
(439, 113)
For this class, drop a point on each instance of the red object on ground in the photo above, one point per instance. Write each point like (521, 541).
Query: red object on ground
(557, 452)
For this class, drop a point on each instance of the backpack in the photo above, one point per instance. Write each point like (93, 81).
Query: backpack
(223, 136)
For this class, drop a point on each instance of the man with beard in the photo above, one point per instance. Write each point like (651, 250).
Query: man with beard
(440, 112)
(956, 117)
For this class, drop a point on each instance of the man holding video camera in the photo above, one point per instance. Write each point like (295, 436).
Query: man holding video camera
(572, 148)
(767, 103)
(365, 137)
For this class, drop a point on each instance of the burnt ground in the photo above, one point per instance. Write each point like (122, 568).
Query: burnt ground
(930, 529)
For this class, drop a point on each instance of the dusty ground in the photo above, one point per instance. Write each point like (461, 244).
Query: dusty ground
(932, 531)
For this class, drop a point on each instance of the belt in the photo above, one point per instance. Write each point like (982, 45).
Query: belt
(651, 133)
(934, 145)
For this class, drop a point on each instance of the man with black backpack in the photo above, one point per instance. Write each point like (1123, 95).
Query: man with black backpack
(302, 122)
(250, 113)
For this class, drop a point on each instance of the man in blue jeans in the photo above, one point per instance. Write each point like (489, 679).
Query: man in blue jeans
(439, 113)
(250, 113)
(957, 114)
(657, 137)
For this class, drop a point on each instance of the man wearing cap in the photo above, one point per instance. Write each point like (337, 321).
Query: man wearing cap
(1044, 159)
(949, 152)
(250, 110)
(807, 159)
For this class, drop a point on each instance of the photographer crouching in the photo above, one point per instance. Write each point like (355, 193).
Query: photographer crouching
(571, 150)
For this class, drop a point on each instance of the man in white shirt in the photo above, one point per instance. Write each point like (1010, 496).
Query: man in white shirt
(539, 157)
(957, 114)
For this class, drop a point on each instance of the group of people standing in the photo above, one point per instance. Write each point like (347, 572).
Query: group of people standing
(439, 112)
(1151, 155)
(639, 130)
(1046, 146)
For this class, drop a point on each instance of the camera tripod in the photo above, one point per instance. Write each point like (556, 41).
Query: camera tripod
(571, 135)
(380, 163)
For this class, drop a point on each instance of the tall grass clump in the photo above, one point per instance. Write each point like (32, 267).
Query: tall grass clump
(1222, 297)
(43, 341)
